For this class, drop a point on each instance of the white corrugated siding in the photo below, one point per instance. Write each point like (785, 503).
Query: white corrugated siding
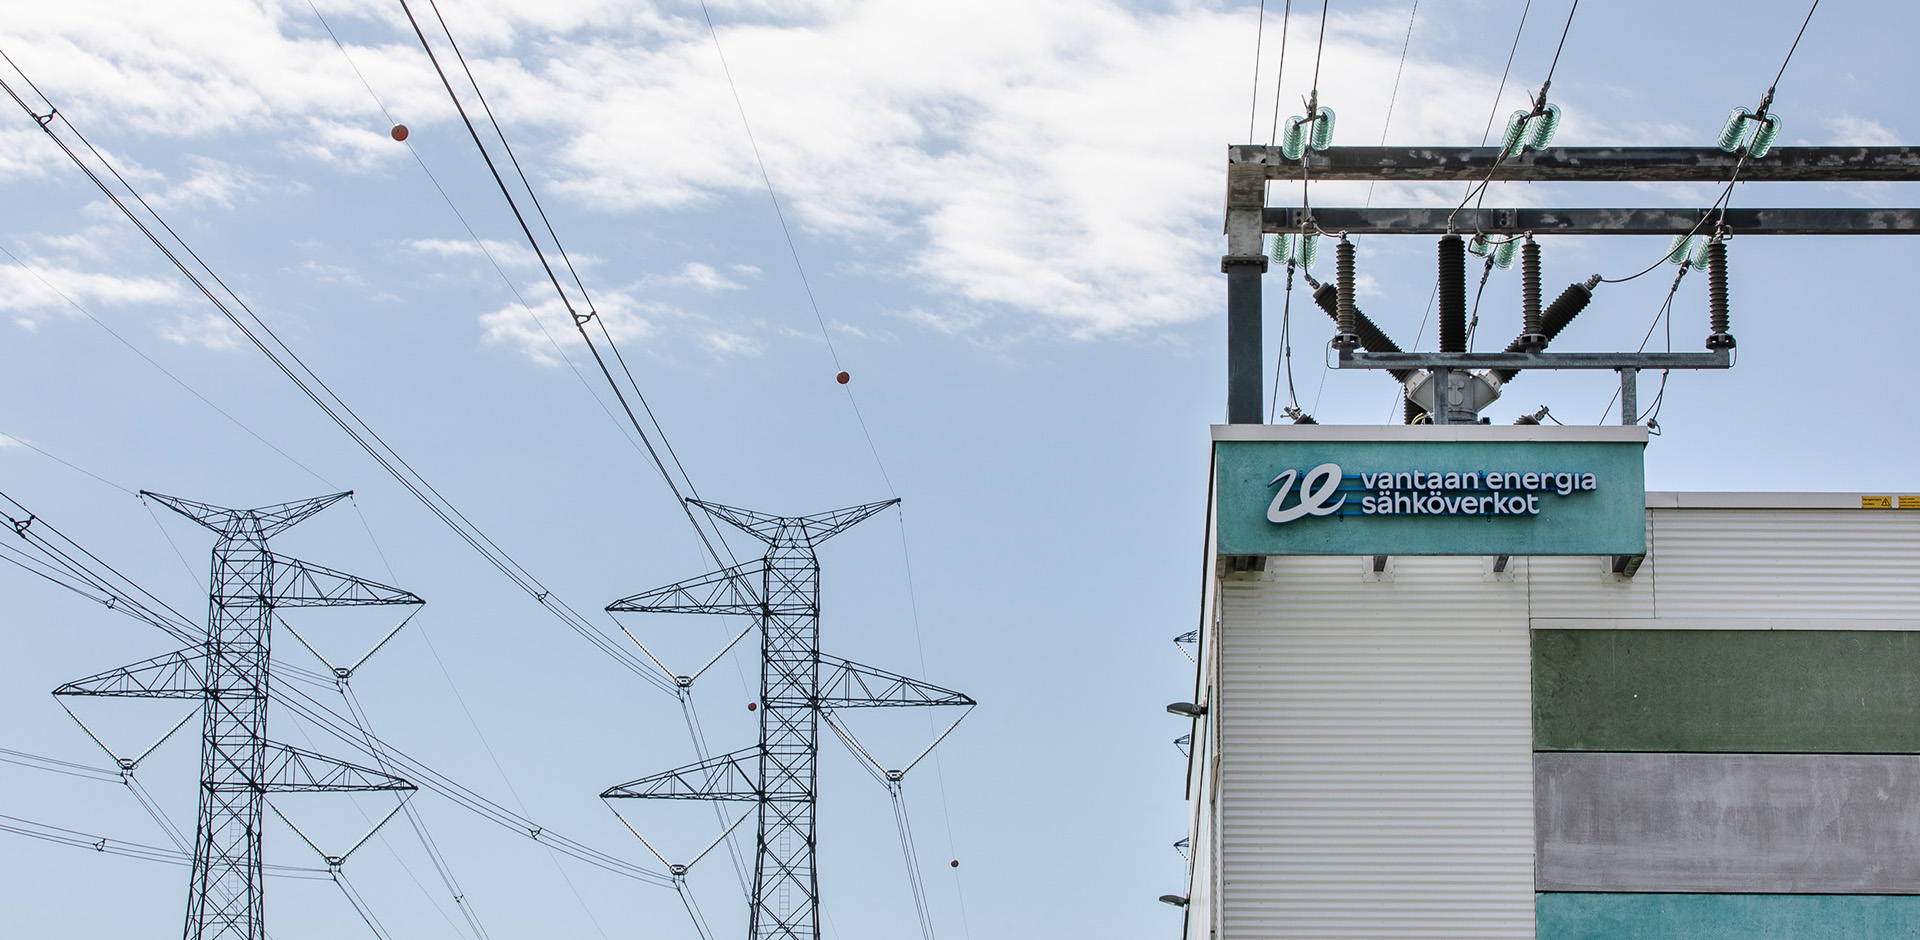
(1797, 563)
(1580, 586)
(1376, 740)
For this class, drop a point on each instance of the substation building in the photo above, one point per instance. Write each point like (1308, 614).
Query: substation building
(1458, 680)
(1473, 681)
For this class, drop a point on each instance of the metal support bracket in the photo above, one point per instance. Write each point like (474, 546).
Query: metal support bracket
(1520, 361)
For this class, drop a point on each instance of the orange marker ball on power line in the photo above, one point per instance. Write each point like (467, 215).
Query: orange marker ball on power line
(843, 378)
(399, 132)
(752, 705)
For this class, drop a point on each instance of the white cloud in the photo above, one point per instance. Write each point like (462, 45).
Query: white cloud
(1854, 129)
(730, 343)
(21, 290)
(212, 183)
(1064, 176)
(695, 275)
(507, 254)
(537, 333)
(207, 330)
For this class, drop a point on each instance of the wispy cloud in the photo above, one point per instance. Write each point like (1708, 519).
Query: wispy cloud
(1854, 129)
(547, 329)
(40, 290)
(695, 275)
(211, 184)
(507, 254)
(206, 330)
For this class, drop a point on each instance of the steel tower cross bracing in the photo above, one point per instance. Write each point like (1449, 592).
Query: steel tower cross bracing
(229, 673)
(798, 685)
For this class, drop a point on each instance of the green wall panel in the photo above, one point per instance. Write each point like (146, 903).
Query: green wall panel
(1726, 917)
(1742, 691)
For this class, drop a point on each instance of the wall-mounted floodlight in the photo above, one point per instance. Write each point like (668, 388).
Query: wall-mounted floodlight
(1174, 899)
(1187, 709)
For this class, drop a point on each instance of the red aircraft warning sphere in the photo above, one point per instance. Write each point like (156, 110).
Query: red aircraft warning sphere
(955, 863)
(752, 705)
(399, 132)
(843, 378)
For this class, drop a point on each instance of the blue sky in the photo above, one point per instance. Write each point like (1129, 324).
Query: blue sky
(1008, 215)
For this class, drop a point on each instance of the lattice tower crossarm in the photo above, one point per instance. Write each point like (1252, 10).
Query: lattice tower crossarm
(229, 673)
(797, 682)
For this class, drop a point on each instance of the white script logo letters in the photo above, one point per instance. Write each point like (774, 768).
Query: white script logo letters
(1316, 488)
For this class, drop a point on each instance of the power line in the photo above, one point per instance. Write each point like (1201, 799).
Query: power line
(477, 240)
(1502, 90)
(792, 247)
(1259, 33)
(1394, 95)
(163, 371)
(1280, 74)
(263, 338)
(1717, 210)
(579, 320)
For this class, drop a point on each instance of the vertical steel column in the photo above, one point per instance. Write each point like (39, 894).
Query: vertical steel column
(1442, 383)
(1629, 396)
(1245, 345)
(225, 897)
(1243, 265)
(786, 888)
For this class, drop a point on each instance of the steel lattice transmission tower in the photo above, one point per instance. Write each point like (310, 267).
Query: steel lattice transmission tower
(229, 673)
(798, 685)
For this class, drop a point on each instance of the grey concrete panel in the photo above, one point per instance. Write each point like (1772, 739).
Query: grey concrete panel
(1746, 823)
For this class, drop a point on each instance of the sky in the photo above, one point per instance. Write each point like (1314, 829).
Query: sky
(1006, 218)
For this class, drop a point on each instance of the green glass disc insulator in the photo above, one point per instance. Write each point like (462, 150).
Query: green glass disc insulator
(1763, 138)
(1281, 249)
(1735, 129)
(1680, 249)
(1541, 126)
(1480, 245)
(1294, 142)
(1515, 132)
(1697, 254)
(1323, 129)
(1503, 254)
(1305, 249)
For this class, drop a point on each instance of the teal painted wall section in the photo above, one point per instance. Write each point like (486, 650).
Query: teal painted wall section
(1739, 691)
(1726, 917)
(1608, 520)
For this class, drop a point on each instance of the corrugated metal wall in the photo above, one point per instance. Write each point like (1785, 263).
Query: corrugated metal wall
(1747, 564)
(1376, 735)
(1376, 748)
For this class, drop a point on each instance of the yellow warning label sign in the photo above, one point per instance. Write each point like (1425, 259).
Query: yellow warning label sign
(1910, 502)
(1876, 502)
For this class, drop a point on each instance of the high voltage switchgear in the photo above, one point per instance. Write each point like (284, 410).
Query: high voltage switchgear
(1453, 385)
(228, 673)
(800, 687)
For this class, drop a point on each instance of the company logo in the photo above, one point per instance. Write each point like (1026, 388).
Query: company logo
(1317, 488)
(1319, 492)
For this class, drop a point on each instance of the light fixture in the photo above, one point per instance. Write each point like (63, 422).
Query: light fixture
(1187, 709)
(1176, 900)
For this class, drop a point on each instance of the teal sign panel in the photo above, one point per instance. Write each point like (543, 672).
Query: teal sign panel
(1726, 917)
(1431, 497)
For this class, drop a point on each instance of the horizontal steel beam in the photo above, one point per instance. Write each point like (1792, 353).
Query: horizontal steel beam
(1587, 164)
(1521, 361)
(1739, 221)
